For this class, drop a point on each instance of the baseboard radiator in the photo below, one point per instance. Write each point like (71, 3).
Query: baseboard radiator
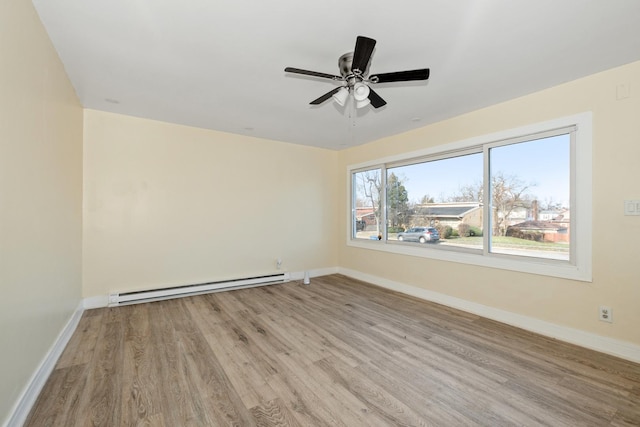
(137, 297)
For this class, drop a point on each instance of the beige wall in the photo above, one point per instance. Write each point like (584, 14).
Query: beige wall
(40, 198)
(168, 205)
(616, 246)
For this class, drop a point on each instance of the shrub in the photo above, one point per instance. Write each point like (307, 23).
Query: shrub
(395, 230)
(475, 231)
(535, 236)
(464, 229)
(444, 231)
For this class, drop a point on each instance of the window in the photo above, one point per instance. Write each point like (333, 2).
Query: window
(519, 200)
(442, 193)
(367, 204)
(530, 188)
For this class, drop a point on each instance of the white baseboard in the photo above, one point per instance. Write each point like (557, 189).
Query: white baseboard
(614, 347)
(27, 399)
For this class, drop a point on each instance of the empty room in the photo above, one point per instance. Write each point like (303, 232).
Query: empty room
(275, 214)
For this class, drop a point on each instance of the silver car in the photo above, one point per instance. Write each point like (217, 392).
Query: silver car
(420, 234)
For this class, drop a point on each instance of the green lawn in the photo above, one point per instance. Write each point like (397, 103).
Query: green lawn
(498, 242)
(511, 242)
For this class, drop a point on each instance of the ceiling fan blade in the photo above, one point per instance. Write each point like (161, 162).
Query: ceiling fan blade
(325, 96)
(376, 100)
(362, 54)
(312, 73)
(400, 76)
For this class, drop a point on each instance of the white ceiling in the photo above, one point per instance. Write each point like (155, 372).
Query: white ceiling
(219, 64)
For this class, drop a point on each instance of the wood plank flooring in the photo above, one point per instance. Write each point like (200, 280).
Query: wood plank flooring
(338, 352)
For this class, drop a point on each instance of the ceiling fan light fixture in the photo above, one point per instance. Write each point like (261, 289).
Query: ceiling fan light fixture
(360, 91)
(340, 97)
(363, 103)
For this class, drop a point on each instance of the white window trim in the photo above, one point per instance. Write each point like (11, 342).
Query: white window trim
(579, 269)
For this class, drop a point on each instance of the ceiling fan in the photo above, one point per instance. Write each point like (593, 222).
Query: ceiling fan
(354, 73)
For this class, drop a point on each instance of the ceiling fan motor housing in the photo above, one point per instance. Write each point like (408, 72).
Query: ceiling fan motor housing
(344, 65)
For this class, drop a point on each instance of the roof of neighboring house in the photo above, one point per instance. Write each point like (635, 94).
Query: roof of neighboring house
(364, 211)
(367, 209)
(449, 210)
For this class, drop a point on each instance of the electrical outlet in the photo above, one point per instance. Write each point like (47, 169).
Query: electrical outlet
(632, 207)
(605, 314)
(279, 263)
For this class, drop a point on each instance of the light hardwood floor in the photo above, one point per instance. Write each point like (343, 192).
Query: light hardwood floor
(338, 352)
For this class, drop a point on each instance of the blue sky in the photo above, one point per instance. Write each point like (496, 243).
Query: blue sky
(543, 164)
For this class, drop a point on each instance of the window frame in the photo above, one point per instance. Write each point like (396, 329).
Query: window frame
(577, 268)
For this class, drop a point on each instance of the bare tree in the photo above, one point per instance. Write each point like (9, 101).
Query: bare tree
(426, 199)
(508, 192)
(370, 183)
(469, 193)
(549, 204)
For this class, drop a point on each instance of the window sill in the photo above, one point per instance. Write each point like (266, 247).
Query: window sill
(544, 267)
